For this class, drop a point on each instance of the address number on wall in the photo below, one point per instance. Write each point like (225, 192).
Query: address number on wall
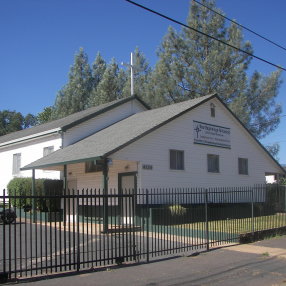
(147, 167)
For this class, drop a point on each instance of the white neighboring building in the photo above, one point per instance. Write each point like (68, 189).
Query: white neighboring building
(20, 148)
(196, 143)
(273, 178)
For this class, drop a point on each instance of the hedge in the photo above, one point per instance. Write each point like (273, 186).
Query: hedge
(44, 188)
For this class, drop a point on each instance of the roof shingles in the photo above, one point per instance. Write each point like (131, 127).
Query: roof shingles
(65, 122)
(118, 135)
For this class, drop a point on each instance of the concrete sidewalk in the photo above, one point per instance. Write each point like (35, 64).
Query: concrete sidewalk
(260, 263)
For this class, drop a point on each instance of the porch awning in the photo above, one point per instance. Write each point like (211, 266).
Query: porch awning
(116, 136)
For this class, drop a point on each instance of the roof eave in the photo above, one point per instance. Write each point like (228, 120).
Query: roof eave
(90, 116)
(31, 137)
(239, 121)
(31, 166)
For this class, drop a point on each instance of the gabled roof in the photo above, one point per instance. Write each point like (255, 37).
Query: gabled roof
(117, 136)
(66, 122)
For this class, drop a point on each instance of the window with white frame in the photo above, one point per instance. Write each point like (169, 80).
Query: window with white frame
(16, 164)
(48, 150)
(213, 163)
(242, 166)
(176, 160)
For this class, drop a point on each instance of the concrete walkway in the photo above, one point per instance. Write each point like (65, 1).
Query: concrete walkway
(261, 263)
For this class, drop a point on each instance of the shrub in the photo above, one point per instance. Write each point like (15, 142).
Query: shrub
(282, 181)
(22, 187)
(177, 210)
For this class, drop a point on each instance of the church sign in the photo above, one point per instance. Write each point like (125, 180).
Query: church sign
(213, 135)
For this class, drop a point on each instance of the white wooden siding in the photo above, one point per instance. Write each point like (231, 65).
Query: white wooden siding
(153, 149)
(30, 151)
(101, 121)
(93, 182)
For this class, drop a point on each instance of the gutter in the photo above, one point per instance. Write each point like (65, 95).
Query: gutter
(29, 167)
(41, 134)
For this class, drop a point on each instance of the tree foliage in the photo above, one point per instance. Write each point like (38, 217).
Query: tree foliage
(73, 97)
(110, 86)
(191, 65)
(45, 116)
(273, 150)
(11, 121)
(98, 69)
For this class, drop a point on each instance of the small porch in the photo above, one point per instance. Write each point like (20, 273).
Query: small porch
(104, 187)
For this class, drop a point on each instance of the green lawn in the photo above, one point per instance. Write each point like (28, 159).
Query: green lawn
(242, 225)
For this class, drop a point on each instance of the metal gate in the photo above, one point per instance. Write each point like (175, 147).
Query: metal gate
(87, 231)
(91, 228)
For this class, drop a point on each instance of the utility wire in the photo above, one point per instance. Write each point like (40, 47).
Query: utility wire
(204, 34)
(262, 37)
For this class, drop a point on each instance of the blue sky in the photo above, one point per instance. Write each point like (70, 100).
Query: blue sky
(40, 37)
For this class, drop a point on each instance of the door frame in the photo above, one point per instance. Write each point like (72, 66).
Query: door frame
(120, 175)
(120, 201)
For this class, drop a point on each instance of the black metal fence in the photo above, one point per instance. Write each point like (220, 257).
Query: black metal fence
(89, 228)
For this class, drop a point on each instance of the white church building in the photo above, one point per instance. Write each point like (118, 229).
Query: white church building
(124, 144)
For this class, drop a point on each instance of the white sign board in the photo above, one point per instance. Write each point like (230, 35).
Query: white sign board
(208, 134)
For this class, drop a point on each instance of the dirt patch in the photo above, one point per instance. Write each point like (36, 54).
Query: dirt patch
(263, 250)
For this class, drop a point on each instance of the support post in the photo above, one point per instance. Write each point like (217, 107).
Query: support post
(64, 204)
(105, 197)
(33, 194)
(65, 178)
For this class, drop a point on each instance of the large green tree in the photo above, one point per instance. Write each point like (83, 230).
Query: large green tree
(98, 69)
(45, 116)
(74, 96)
(110, 86)
(11, 121)
(191, 65)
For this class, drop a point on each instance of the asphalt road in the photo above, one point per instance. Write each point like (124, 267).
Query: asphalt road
(261, 263)
(34, 249)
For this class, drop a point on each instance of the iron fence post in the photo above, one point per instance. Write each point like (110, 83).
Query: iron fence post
(207, 219)
(133, 224)
(4, 236)
(147, 222)
(78, 234)
(284, 198)
(252, 212)
(33, 194)
(105, 196)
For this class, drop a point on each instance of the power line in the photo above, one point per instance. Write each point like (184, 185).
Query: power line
(259, 35)
(204, 34)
